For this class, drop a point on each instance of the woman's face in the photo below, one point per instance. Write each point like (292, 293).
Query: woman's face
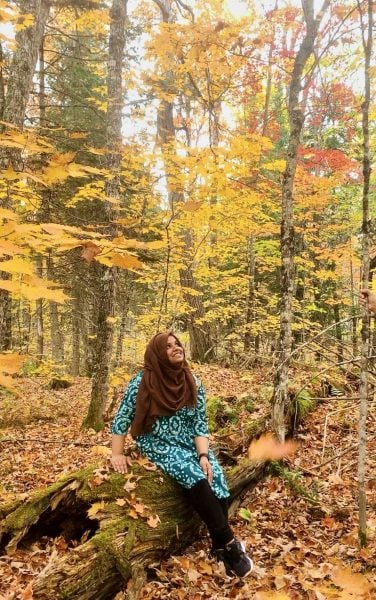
(175, 352)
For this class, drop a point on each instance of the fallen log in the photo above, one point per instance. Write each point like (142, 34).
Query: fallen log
(121, 523)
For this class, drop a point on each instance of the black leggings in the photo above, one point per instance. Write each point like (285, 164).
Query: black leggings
(213, 511)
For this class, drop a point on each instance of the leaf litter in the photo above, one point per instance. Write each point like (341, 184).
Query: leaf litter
(302, 550)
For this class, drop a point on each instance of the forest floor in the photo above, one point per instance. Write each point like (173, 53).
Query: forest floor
(301, 528)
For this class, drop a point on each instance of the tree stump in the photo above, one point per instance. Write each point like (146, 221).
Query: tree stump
(122, 523)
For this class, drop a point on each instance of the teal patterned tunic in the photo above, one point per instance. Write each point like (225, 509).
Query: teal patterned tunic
(170, 443)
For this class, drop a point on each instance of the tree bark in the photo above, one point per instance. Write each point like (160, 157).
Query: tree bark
(108, 276)
(296, 115)
(367, 33)
(39, 313)
(119, 542)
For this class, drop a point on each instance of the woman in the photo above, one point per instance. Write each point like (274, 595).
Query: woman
(165, 408)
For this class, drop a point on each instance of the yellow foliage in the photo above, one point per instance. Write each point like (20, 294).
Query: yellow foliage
(17, 265)
(124, 261)
(24, 22)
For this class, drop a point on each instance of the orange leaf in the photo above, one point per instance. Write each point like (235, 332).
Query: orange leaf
(120, 502)
(153, 521)
(354, 583)
(267, 447)
(90, 250)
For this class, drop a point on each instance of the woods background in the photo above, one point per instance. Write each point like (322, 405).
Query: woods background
(145, 150)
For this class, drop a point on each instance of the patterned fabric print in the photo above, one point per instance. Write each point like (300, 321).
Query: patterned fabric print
(170, 444)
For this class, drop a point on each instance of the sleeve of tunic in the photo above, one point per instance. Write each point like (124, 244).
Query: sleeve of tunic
(200, 424)
(127, 408)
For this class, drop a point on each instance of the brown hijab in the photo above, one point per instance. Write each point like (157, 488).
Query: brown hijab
(164, 388)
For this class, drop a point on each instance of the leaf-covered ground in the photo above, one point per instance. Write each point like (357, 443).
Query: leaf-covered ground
(300, 526)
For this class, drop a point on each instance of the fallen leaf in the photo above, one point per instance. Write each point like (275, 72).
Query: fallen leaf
(120, 502)
(95, 508)
(354, 583)
(153, 521)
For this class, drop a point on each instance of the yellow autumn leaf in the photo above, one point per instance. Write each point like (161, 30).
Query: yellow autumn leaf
(101, 451)
(124, 261)
(112, 320)
(34, 293)
(17, 265)
(7, 247)
(98, 151)
(95, 509)
(156, 244)
(25, 21)
(353, 583)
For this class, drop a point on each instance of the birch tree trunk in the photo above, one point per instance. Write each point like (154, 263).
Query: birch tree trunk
(108, 276)
(366, 235)
(296, 122)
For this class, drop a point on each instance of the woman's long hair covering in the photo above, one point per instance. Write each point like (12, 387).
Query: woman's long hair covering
(164, 387)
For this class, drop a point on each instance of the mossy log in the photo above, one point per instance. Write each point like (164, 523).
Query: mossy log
(118, 529)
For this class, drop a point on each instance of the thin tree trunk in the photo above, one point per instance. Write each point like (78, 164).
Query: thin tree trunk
(366, 234)
(75, 364)
(108, 276)
(296, 120)
(39, 313)
(57, 342)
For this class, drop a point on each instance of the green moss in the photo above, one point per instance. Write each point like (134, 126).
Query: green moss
(254, 427)
(301, 407)
(294, 480)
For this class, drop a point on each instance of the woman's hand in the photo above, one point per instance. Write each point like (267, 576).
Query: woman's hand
(207, 469)
(119, 463)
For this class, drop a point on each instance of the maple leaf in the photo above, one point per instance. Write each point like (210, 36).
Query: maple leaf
(129, 486)
(120, 502)
(153, 521)
(353, 583)
(95, 508)
(267, 447)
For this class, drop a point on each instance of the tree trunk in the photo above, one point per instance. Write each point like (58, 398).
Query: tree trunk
(108, 276)
(57, 341)
(75, 364)
(366, 242)
(120, 538)
(280, 399)
(39, 314)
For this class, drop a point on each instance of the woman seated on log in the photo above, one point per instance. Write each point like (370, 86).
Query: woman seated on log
(164, 405)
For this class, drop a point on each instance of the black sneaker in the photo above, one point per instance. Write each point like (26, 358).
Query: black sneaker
(234, 559)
